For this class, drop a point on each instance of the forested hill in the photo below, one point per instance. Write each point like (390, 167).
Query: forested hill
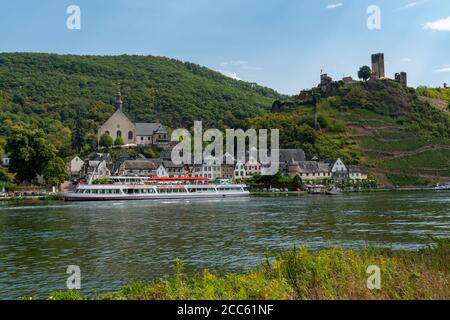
(50, 90)
(400, 134)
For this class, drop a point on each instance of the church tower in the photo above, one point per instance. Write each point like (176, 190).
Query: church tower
(119, 103)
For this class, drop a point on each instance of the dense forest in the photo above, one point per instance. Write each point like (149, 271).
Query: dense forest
(68, 96)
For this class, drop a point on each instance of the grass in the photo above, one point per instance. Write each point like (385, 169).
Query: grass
(408, 144)
(434, 162)
(403, 181)
(303, 274)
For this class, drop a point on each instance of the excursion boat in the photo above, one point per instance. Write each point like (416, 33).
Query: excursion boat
(137, 188)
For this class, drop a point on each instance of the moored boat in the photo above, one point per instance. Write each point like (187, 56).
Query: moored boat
(333, 191)
(130, 188)
(444, 187)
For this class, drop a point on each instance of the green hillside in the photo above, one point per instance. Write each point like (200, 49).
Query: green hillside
(390, 129)
(76, 93)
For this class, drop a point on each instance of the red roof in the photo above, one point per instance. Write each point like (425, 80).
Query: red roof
(178, 179)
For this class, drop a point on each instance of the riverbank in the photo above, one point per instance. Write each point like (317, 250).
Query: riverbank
(302, 193)
(302, 274)
(52, 197)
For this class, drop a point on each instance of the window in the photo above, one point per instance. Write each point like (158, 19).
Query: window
(142, 138)
(119, 133)
(107, 132)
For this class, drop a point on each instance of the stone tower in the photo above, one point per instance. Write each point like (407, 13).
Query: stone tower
(402, 78)
(119, 103)
(378, 66)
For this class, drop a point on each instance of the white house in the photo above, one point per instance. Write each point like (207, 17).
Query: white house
(210, 169)
(161, 171)
(338, 169)
(239, 170)
(357, 173)
(75, 166)
(5, 160)
(252, 167)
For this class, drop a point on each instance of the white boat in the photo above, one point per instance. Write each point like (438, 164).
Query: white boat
(333, 191)
(444, 187)
(131, 188)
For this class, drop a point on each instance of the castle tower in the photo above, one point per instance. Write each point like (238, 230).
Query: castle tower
(378, 66)
(402, 78)
(119, 103)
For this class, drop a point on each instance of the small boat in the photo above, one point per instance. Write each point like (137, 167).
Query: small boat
(444, 187)
(333, 191)
(138, 188)
(316, 189)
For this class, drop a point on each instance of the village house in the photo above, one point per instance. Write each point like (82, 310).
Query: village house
(145, 134)
(210, 168)
(338, 169)
(288, 156)
(227, 171)
(321, 170)
(100, 164)
(252, 167)
(357, 173)
(239, 170)
(75, 167)
(310, 170)
(5, 160)
(167, 168)
(137, 168)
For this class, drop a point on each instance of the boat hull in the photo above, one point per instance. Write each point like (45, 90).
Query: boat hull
(83, 197)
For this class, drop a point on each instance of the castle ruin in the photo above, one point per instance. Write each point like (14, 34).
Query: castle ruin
(402, 78)
(378, 66)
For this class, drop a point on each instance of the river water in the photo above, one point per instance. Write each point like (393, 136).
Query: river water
(115, 243)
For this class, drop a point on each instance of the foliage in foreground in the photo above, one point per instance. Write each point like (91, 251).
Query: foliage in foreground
(302, 274)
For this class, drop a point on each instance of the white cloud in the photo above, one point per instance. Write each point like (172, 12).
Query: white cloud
(409, 5)
(444, 69)
(407, 60)
(413, 4)
(240, 64)
(230, 74)
(334, 6)
(236, 63)
(438, 25)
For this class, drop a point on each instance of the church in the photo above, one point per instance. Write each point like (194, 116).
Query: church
(144, 134)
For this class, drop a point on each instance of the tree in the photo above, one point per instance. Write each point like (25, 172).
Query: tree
(298, 181)
(29, 152)
(55, 172)
(364, 73)
(106, 141)
(2, 148)
(119, 141)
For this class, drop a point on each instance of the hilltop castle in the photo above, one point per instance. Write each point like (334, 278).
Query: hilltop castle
(144, 134)
(378, 71)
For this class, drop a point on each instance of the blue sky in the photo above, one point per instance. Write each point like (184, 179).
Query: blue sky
(282, 44)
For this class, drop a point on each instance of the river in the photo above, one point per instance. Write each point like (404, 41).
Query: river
(115, 243)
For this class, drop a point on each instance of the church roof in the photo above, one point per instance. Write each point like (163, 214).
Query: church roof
(148, 129)
(291, 155)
